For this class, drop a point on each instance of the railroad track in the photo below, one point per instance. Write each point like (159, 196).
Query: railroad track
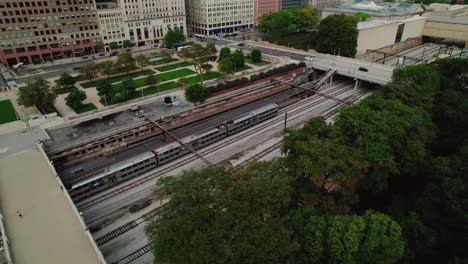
(134, 255)
(334, 92)
(133, 224)
(147, 248)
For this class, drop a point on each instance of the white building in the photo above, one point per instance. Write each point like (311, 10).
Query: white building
(210, 17)
(376, 34)
(141, 21)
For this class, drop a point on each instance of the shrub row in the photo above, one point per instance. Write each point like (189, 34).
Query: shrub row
(238, 82)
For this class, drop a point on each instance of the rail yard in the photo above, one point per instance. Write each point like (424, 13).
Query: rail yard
(109, 163)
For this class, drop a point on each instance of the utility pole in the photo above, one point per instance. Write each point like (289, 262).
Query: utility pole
(285, 119)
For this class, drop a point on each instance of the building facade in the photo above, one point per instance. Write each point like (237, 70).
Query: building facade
(321, 4)
(291, 3)
(211, 17)
(262, 7)
(143, 22)
(33, 31)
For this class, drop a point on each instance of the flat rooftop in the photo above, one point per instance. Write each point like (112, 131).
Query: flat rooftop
(101, 124)
(49, 230)
(463, 20)
(373, 23)
(383, 9)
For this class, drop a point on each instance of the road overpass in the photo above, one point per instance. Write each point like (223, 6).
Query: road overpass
(377, 73)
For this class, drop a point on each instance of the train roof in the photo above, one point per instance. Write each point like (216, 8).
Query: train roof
(116, 167)
(255, 112)
(186, 140)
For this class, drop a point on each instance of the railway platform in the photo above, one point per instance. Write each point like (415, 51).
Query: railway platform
(41, 223)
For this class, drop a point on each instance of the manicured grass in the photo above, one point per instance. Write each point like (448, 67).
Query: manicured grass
(261, 63)
(206, 76)
(174, 66)
(151, 90)
(7, 112)
(162, 61)
(163, 87)
(162, 77)
(86, 108)
(119, 78)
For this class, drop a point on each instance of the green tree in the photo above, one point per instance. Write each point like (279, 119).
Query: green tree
(212, 47)
(128, 85)
(142, 60)
(361, 16)
(66, 81)
(256, 56)
(238, 59)
(338, 35)
(330, 167)
(318, 238)
(174, 38)
(38, 93)
(199, 57)
(104, 89)
(113, 45)
(217, 215)
(106, 67)
(127, 44)
(151, 81)
(125, 62)
(286, 21)
(196, 93)
(75, 99)
(224, 53)
(226, 67)
(89, 71)
(99, 46)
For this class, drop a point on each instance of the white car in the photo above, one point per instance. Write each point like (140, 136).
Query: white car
(309, 58)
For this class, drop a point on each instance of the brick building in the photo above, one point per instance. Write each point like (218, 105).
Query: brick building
(32, 31)
(265, 7)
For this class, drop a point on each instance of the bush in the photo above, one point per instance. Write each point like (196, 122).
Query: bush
(256, 56)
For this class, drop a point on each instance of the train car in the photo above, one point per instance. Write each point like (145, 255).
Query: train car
(115, 174)
(174, 150)
(252, 118)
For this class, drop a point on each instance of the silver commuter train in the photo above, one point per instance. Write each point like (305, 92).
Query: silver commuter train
(147, 161)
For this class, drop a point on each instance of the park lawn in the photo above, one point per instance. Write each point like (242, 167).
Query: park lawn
(151, 90)
(7, 112)
(118, 78)
(261, 63)
(174, 66)
(162, 61)
(162, 87)
(85, 108)
(162, 77)
(206, 76)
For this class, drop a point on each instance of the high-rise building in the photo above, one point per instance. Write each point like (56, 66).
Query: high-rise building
(262, 7)
(321, 4)
(290, 3)
(209, 17)
(32, 31)
(141, 21)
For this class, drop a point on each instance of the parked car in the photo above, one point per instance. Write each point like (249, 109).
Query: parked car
(76, 68)
(241, 44)
(102, 54)
(309, 58)
(114, 53)
(364, 69)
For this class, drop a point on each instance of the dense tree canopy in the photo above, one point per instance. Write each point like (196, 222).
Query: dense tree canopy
(196, 93)
(288, 21)
(387, 182)
(75, 98)
(338, 35)
(199, 56)
(125, 62)
(38, 93)
(174, 38)
(89, 71)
